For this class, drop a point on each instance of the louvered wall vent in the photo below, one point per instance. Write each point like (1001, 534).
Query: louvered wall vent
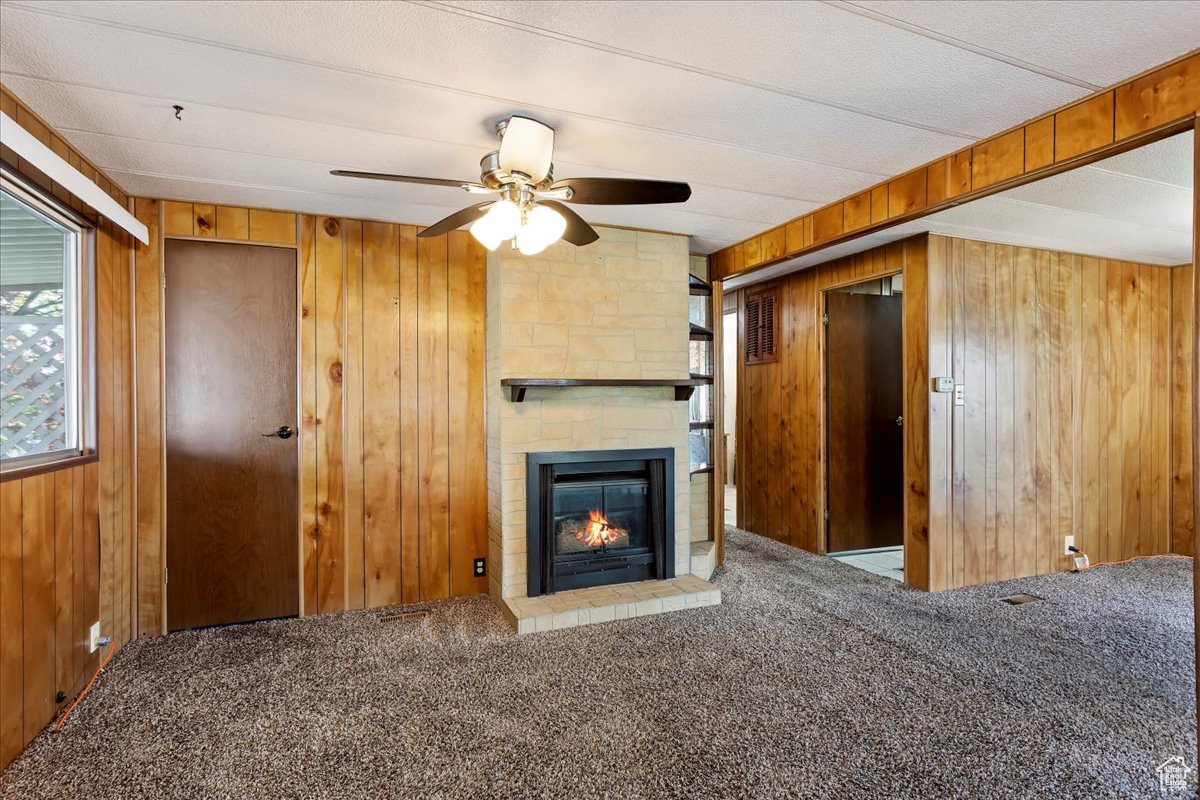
(761, 335)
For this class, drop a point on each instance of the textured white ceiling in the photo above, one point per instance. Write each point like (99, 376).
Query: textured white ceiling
(768, 109)
(1136, 206)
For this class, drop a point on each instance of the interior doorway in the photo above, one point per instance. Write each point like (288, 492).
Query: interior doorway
(232, 493)
(864, 425)
(729, 372)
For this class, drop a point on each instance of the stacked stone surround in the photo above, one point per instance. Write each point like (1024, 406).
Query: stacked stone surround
(617, 308)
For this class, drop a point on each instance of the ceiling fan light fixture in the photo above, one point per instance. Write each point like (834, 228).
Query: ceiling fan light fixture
(543, 227)
(501, 222)
(527, 147)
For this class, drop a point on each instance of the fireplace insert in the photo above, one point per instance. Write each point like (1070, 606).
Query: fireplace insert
(599, 517)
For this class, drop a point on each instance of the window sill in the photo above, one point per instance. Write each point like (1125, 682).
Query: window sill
(18, 473)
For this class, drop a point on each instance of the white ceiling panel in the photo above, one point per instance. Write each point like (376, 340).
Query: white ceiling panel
(767, 109)
(137, 118)
(1098, 42)
(801, 48)
(567, 84)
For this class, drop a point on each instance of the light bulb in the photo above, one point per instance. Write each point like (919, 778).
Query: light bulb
(499, 223)
(543, 227)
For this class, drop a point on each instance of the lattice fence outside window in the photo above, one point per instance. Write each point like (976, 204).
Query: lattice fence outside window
(33, 372)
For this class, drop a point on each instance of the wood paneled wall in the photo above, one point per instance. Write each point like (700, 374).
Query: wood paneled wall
(390, 405)
(1067, 424)
(66, 536)
(1160, 101)
(1075, 423)
(1183, 436)
(781, 441)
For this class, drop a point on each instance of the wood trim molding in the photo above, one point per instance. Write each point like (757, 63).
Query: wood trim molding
(716, 514)
(1196, 368)
(1153, 105)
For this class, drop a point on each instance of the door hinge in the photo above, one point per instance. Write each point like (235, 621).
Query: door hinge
(827, 515)
(166, 576)
(824, 319)
(164, 280)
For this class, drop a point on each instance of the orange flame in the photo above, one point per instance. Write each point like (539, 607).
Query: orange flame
(597, 532)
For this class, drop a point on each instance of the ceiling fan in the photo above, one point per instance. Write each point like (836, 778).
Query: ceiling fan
(529, 205)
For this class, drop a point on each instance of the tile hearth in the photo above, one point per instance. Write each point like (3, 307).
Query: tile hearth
(606, 603)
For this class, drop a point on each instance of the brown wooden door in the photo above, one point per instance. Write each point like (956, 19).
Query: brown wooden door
(865, 445)
(232, 549)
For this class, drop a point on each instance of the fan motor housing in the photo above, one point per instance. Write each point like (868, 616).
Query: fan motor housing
(493, 177)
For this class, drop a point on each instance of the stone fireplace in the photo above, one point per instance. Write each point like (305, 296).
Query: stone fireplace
(614, 310)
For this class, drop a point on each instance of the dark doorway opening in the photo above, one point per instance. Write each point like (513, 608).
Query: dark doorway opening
(864, 334)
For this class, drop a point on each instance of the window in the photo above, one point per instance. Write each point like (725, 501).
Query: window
(760, 328)
(45, 397)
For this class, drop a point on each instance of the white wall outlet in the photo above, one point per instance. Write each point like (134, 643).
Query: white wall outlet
(94, 638)
(1068, 543)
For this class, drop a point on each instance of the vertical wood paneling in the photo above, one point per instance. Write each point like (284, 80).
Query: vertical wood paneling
(1004, 504)
(61, 527)
(1183, 439)
(975, 415)
(37, 588)
(1072, 370)
(381, 471)
(330, 423)
(433, 422)
(204, 216)
(1089, 427)
(106, 379)
(781, 440)
(1075, 432)
(64, 580)
(12, 624)
(276, 227)
(1130, 418)
(352, 383)
(1025, 412)
(1160, 386)
(916, 416)
(410, 516)
(309, 375)
(233, 223)
(148, 420)
(1084, 126)
(467, 500)
(178, 219)
(941, 408)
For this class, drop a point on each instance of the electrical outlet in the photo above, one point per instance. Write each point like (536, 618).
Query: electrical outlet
(480, 567)
(94, 638)
(1068, 543)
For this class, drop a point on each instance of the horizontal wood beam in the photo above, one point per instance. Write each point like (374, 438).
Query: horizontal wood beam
(1150, 106)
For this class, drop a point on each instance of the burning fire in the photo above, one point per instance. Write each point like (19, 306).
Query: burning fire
(597, 531)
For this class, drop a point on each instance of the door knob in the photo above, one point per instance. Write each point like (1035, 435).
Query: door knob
(282, 432)
(900, 420)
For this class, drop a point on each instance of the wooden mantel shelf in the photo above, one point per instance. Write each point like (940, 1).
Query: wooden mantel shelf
(517, 386)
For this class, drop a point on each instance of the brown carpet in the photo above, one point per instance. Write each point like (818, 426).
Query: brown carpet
(813, 679)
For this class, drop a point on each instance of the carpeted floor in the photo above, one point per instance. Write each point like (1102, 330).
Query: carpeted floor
(813, 679)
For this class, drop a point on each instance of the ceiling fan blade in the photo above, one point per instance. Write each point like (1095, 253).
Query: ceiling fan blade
(456, 220)
(527, 147)
(623, 191)
(384, 176)
(578, 232)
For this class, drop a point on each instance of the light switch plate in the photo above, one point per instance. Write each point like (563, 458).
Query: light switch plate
(94, 638)
(943, 385)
